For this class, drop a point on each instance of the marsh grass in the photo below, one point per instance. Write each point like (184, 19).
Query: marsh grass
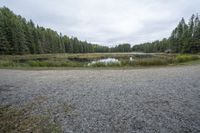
(54, 64)
(149, 62)
(186, 58)
(82, 60)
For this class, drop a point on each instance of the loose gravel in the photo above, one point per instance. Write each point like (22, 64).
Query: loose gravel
(152, 100)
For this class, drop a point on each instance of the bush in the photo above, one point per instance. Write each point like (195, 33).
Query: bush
(38, 64)
(185, 58)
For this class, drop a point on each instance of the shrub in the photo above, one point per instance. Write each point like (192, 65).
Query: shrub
(185, 58)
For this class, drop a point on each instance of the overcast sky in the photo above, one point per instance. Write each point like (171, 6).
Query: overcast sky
(107, 22)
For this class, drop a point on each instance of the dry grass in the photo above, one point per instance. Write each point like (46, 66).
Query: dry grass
(22, 120)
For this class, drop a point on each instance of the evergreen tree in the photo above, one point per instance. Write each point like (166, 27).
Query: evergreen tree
(4, 44)
(185, 38)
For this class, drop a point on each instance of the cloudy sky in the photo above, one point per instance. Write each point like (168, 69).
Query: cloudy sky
(107, 22)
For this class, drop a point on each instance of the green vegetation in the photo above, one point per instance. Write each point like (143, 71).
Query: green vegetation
(185, 38)
(19, 36)
(41, 46)
(148, 62)
(85, 60)
(186, 58)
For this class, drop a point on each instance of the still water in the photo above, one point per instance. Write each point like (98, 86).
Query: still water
(106, 61)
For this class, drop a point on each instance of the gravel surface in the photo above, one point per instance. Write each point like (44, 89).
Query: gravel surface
(140, 100)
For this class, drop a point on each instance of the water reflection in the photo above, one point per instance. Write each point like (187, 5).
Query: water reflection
(105, 61)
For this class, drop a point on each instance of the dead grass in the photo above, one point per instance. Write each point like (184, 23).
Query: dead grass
(22, 120)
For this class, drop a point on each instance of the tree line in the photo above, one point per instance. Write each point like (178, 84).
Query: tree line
(121, 48)
(19, 36)
(185, 38)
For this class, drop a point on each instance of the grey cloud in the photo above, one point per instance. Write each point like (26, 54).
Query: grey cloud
(107, 22)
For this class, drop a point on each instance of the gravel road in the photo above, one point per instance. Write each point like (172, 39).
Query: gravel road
(139, 100)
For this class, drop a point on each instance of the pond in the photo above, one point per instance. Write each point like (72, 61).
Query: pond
(105, 61)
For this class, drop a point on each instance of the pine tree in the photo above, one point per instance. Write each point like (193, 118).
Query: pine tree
(4, 44)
